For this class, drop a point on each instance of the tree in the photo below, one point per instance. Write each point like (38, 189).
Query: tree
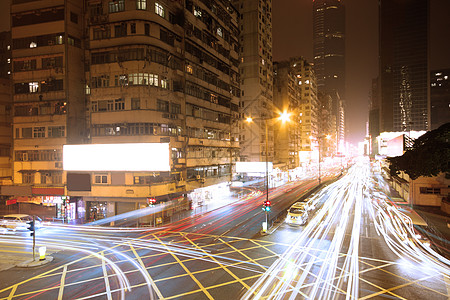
(429, 155)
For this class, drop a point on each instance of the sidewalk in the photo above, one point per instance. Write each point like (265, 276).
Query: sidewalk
(438, 228)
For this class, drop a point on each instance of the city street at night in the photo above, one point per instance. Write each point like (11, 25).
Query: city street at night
(224, 149)
(354, 244)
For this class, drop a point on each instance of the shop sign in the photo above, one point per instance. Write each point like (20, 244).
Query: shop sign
(35, 200)
(11, 202)
(52, 200)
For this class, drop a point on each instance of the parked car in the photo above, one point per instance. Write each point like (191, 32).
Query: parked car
(297, 214)
(17, 222)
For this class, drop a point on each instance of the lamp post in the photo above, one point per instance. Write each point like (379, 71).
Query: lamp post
(284, 117)
(320, 156)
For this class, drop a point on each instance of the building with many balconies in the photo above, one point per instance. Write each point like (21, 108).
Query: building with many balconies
(114, 72)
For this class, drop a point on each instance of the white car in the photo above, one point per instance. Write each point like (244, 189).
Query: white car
(297, 214)
(17, 222)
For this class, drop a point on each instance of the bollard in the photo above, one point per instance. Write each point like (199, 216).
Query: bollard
(42, 252)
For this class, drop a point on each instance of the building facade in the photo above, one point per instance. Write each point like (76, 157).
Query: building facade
(287, 96)
(113, 72)
(440, 97)
(403, 54)
(256, 74)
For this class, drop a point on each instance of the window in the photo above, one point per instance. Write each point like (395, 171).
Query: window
(427, 190)
(38, 132)
(162, 106)
(164, 83)
(141, 4)
(119, 104)
(27, 132)
(116, 6)
(147, 29)
(133, 27)
(175, 108)
(121, 80)
(73, 17)
(33, 87)
(103, 32)
(159, 9)
(120, 30)
(56, 131)
(101, 179)
(56, 177)
(219, 32)
(153, 79)
(27, 177)
(135, 103)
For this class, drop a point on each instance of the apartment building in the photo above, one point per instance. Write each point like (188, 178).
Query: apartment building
(256, 74)
(114, 72)
(287, 96)
(48, 95)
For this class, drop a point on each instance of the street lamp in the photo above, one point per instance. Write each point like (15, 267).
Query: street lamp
(283, 117)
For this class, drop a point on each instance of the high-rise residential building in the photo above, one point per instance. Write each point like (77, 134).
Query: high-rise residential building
(403, 54)
(440, 97)
(48, 94)
(5, 54)
(256, 74)
(309, 107)
(115, 72)
(287, 97)
(5, 108)
(329, 57)
(5, 132)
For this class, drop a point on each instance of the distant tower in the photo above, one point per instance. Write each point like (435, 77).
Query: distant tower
(404, 76)
(329, 56)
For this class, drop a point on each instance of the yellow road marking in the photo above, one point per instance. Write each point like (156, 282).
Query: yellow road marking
(59, 267)
(220, 265)
(105, 276)
(13, 291)
(155, 288)
(61, 285)
(187, 271)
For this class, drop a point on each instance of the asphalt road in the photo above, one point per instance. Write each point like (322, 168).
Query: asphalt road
(355, 245)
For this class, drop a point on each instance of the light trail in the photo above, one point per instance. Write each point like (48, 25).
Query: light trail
(327, 267)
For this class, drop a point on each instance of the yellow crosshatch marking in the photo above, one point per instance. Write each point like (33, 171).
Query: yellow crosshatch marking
(255, 257)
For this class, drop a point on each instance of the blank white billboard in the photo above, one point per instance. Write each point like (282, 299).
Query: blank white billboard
(117, 157)
(253, 167)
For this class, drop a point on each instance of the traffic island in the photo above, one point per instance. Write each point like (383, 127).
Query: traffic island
(35, 263)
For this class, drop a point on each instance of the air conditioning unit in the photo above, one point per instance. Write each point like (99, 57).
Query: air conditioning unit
(198, 177)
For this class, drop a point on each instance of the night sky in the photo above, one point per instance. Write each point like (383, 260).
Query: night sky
(292, 36)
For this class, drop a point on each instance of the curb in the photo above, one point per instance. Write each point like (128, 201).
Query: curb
(35, 263)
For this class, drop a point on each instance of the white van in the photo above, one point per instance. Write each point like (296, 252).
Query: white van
(297, 214)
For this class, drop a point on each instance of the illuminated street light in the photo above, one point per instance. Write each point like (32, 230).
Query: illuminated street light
(284, 117)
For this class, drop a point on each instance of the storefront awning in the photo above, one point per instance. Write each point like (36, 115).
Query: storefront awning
(50, 191)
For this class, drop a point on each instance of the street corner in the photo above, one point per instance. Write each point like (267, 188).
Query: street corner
(35, 263)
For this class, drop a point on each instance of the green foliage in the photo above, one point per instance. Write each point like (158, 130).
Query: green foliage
(429, 155)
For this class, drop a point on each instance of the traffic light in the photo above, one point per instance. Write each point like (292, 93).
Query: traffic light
(31, 227)
(266, 205)
(151, 202)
